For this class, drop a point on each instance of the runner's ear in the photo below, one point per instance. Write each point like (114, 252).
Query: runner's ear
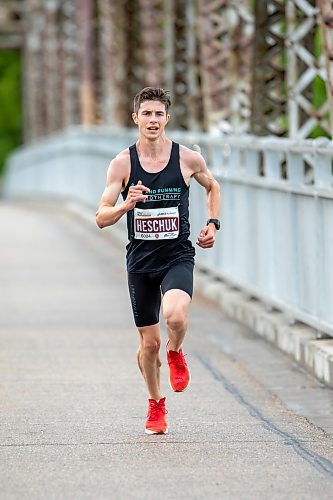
(135, 118)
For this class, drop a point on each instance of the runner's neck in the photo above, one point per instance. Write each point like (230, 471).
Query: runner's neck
(154, 150)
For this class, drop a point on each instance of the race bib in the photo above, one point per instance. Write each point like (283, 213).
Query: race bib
(156, 223)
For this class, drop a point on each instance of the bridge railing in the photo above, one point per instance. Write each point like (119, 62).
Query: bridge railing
(277, 237)
(276, 242)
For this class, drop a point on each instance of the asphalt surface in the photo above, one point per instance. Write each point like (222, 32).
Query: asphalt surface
(252, 425)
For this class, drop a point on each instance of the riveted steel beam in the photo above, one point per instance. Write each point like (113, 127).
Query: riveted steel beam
(34, 71)
(12, 24)
(69, 61)
(170, 55)
(85, 60)
(326, 23)
(215, 53)
(153, 19)
(112, 21)
(183, 67)
(84, 16)
(226, 29)
(51, 94)
(269, 100)
(308, 106)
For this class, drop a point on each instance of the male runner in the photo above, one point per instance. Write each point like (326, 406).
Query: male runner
(153, 177)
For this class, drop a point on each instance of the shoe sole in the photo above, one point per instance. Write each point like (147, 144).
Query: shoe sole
(189, 381)
(148, 431)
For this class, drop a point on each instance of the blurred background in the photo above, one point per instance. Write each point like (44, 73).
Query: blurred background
(251, 84)
(246, 66)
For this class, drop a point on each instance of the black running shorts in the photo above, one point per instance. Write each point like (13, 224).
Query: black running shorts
(145, 290)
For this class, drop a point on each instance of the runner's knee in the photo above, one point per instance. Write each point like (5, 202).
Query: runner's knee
(175, 319)
(151, 347)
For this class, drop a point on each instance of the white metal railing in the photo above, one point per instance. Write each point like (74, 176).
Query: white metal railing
(276, 242)
(277, 238)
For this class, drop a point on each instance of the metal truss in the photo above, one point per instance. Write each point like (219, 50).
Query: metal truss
(215, 52)
(242, 56)
(326, 23)
(169, 53)
(113, 65)
(51, 63)
(183, 66)
(227, 68)
(84, 19)
(269, 100)
(308, 111)
(178, 63)
(154, 22)
(226, 29)
(12, 24)
(68, 54)
(50, 77)
(34, 72)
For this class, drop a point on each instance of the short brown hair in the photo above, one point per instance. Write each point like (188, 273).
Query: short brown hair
(152, 94)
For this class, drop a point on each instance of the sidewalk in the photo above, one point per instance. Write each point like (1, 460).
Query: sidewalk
(73, 403)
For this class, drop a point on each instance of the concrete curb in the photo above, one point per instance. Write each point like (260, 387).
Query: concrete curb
(297, 340)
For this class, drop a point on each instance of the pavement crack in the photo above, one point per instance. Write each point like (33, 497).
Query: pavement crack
(319, 462)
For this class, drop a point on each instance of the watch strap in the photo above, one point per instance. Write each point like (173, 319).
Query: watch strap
(216, 223)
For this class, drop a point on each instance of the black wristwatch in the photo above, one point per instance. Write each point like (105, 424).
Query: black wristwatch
(216, 223)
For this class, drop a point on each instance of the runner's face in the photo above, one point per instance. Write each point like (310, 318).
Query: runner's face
(151, 119)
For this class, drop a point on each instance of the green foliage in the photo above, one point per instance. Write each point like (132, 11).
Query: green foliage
(10, 103)
(319, 92)
(318, 42)
(319, 87)
(319, 132)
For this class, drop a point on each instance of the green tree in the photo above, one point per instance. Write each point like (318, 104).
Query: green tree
(10, 103)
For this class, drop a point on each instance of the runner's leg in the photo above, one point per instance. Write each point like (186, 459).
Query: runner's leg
(177, 288)
(175, 309)
(145, 296)
(148, 359)
(175, 312)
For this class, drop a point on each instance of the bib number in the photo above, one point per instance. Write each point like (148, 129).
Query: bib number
(156, 223)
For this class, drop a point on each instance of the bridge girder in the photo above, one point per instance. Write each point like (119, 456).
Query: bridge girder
(227, 66)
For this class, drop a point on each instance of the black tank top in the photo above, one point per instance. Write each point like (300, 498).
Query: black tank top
(159, 229)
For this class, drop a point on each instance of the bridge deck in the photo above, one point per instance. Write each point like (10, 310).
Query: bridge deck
(74, 405)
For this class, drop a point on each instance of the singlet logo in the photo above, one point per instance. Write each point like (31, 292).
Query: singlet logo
(164, 194)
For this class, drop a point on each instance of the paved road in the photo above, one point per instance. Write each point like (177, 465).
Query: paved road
(252, 425)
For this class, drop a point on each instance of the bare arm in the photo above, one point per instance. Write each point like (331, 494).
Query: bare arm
(108, 212)
(206, 179)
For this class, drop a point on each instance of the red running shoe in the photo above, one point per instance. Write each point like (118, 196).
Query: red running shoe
(179, 373)
(156, 421)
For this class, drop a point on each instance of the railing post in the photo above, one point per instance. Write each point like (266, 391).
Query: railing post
(295, 168)
(323, 171)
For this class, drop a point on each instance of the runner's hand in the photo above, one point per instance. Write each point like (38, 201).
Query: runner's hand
(206, 238)
(136, 194)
